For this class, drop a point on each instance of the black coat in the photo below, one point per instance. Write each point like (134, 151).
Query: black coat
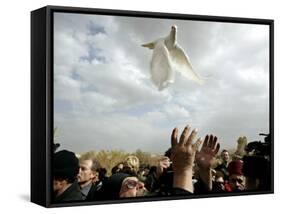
(72, 193)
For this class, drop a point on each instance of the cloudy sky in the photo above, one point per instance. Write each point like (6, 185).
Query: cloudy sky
(104, 98)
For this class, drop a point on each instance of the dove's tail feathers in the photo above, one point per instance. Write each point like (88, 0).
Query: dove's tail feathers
(149, 45)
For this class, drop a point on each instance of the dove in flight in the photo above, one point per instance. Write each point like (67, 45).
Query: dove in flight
(167, 57)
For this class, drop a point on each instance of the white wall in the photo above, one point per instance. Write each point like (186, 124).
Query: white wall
(15, 104)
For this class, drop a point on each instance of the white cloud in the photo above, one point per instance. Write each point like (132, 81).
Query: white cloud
(65, 86)
(97, 103)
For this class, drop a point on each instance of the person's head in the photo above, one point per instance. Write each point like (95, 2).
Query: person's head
(65, 170)
(152, 170)
(102, 173)
(131, 187)
(219, 181)
(225, 156)
(237, 182)
(236, 177)
(219, 176)
(117, 168)
(133, 163)
(143, 171)
(120, 166)
(121, 185)
(168, 153)
(88, 171)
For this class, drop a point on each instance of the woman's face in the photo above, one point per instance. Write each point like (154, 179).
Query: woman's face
(131, 187)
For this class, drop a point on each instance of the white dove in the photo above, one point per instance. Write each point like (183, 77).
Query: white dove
(167, 57)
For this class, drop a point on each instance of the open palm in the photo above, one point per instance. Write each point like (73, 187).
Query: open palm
(210, 148)
(183, 151)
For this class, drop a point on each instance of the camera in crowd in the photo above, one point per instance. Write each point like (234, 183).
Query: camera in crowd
(259, 148)
(256, 164)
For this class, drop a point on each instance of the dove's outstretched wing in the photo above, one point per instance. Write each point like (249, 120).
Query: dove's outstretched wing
(161, 70)
(183, 64)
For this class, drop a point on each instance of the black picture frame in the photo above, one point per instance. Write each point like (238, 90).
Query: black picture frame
(42, 97)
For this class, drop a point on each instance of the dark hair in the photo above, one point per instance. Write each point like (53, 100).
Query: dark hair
(168, 153)
(68, 179)
(102, 173)
(111, 187)
(128, 170)
(152, 169)
(116, 168)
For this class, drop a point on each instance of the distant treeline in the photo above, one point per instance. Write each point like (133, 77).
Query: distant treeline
(109, 159)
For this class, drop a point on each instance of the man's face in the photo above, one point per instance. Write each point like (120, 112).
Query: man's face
(237, 182)
(131, 187)
(59, 186)
(85, 173)
(225, 156)
(56, 185)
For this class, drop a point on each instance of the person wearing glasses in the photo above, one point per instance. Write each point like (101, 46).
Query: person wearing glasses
(132, 187)
(120, 185)
(183, 150)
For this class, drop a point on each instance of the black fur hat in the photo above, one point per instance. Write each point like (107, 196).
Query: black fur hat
(65, 165)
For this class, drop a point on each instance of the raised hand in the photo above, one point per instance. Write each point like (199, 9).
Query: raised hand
(162, 164)
(183, 152)
(210, 148)
(182, 157)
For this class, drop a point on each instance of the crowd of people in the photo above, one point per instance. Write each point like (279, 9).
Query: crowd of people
(186, 168)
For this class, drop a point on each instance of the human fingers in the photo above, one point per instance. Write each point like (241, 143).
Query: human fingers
(217, 149)
(205, 144)
(197, 144)
(210, 142)
(215, 139)
(191, 137)
(174, 137)
(184, 135)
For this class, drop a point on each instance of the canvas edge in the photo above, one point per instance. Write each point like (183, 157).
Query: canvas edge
(44, 198)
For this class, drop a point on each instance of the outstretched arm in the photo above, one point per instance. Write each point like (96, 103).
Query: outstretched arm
(205, 157)
(182, 156)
